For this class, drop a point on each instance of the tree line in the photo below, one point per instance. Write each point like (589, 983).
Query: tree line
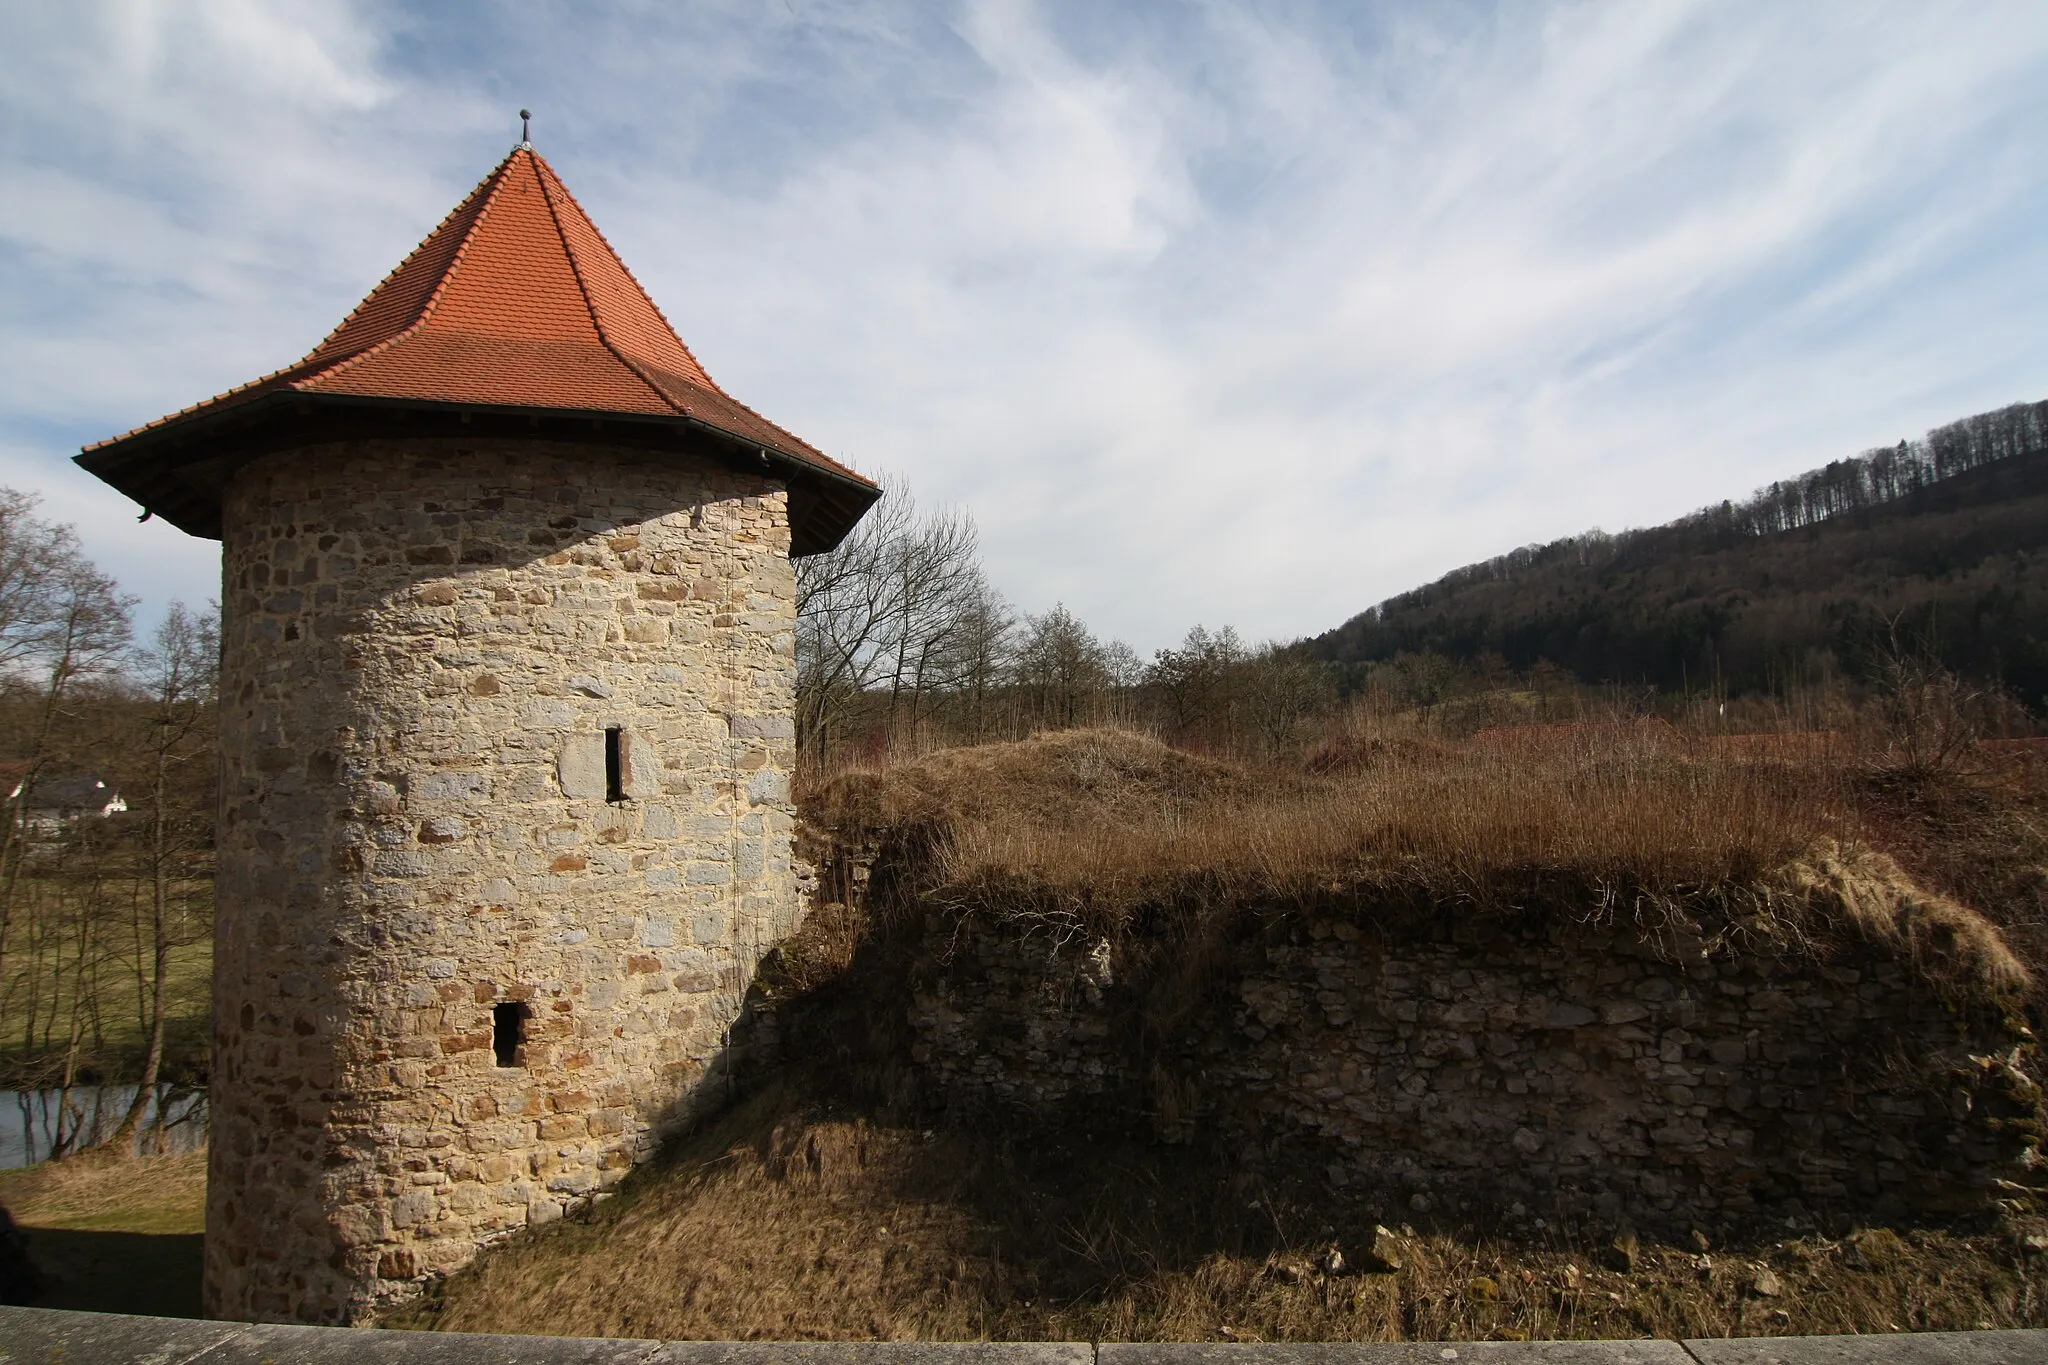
(1879, 476)
(904, 645)
(1941, 534)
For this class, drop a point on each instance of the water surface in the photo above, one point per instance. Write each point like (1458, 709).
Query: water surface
(29, 1120)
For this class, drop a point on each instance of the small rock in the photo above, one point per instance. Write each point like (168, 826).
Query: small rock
(2034, 1243)
(1620, 1253)
(1334, 1264)
(590, 687)
(1766, 1285)
(1700, 1242)
(1383, 1257)
(1420, 1202)
(1288, 1270)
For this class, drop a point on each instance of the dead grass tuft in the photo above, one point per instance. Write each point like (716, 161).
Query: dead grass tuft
(1948, 944)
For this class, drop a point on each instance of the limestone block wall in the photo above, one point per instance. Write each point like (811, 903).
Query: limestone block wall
(1467, 1062)
(433, 859)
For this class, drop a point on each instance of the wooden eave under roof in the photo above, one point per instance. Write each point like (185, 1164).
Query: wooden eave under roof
(513, 318)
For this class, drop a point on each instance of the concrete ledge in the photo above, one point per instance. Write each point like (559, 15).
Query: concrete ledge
(1649, 1352)
(874, 1353)
(48, 1336)
(45, 1336)
(1900, 1348)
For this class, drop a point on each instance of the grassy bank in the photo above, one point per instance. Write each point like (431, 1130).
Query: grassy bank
(798, 1224)
(114, 1236)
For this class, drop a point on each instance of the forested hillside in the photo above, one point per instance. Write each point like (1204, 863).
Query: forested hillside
(1942, 541)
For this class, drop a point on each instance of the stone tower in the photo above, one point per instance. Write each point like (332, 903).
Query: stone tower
(506, 730)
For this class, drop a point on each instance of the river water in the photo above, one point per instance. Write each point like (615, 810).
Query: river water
(28, 1120)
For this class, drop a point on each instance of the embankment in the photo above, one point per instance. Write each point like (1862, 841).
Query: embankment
(1692, 1034)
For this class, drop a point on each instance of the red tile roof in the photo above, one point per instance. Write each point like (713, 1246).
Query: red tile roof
(516, 301)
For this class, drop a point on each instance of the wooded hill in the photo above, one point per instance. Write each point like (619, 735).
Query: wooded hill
(1941, 541)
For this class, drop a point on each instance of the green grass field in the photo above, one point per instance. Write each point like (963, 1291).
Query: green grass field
(113, 1034)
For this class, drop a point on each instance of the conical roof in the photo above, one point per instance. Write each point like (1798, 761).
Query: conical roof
(514, 305)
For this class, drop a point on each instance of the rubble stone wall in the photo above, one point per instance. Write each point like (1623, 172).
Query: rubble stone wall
(1472, 1062)
(424, 644)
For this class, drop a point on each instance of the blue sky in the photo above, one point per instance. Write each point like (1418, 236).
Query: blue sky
(1247, 314)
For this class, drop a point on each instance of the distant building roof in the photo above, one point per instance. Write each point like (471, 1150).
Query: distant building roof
(74, 791)
(514, 306)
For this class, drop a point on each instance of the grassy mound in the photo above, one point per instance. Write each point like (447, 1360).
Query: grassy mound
(830, 1204)
(1099, 832)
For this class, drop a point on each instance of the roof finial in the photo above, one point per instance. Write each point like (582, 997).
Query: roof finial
(526, 129)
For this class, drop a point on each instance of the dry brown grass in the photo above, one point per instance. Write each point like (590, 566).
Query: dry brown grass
(1946, 943)
(779, 1227)
(1110, 816)
(1643, 809)
(94, 1192)
(1060, 779)
(1089, 831)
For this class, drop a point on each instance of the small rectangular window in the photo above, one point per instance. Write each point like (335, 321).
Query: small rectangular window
(508, 1032)
(614, 765)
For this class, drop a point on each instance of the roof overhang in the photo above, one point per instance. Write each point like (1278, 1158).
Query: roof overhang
(180, 470)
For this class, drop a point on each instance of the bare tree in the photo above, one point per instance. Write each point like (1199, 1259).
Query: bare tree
(61, 621)
(984, 642)
(899, 611)
(181, 672)
(1283, 692)
(1197, 686)
(1060, 666)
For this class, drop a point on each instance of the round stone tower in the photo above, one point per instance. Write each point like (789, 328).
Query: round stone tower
(506, 730)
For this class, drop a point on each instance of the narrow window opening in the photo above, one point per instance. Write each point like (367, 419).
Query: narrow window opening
(614, 767)
(508, 1032)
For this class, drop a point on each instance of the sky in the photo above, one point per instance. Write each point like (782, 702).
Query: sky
(1248, 314)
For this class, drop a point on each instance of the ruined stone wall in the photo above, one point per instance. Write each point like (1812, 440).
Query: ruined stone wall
(1468, 1063)
(423, 645)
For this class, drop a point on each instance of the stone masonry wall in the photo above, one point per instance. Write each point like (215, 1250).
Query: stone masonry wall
(1469, 1062)
(423, 645)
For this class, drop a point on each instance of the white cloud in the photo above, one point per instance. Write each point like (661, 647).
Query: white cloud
(1216, 313)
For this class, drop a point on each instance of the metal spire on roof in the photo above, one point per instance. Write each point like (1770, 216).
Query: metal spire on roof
(526, 129)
